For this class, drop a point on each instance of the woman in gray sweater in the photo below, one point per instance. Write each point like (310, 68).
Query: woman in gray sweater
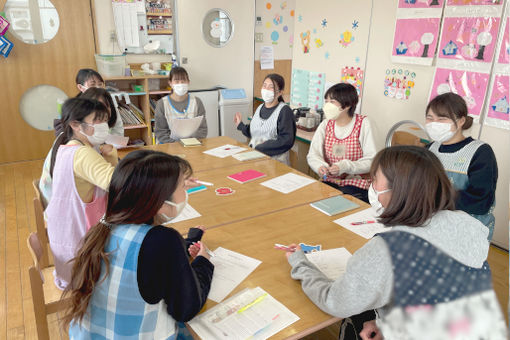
(426, 277)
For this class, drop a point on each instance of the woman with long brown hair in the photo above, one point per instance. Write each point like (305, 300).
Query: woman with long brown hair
(133, 276)
(425, 276)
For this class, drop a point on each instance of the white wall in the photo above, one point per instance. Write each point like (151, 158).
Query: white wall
(231, 65)
(282, 46)
(384, 111)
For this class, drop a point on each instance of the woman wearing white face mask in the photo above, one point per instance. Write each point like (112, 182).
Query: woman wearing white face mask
(80, 175)
(426, 275)
(343, 146)
(470, 164)
(178, 105)
(159, 288)
(272, 129)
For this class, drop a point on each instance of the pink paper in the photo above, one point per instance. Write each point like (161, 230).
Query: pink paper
(499, 104)
(469, 38)
(474, 2)
(420, 3)
(416, 37)
(4, 25)
(504, 51)
(472, 86)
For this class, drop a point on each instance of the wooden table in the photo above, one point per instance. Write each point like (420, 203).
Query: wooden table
(195, 154)
(255, 237)
(250, 199)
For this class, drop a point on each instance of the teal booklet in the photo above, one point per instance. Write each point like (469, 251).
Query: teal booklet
(334, 205)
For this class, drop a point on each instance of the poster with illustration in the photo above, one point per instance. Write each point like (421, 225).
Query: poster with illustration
(399, 83)
(316, 90)
(353, 76)
(469, 38)
(472, 86)
(498, 108)
(420, 3)
(504, 51)
(415, 40)
(475, 2)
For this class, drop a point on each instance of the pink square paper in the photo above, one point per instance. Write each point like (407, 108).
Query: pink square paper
(504, 52)
(499, 101)
(420, 3)
(416, 37)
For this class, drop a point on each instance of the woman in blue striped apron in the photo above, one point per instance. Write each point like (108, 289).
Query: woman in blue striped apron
(272, 129)
(469, 163)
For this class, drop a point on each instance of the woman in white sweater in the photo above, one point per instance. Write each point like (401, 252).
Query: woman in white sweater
(342, 148)
(426, 276)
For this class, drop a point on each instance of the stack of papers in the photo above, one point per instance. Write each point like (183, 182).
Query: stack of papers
(224, 151)
(246, 156)
(251, 314)
(334, 205)
(230, 269)
(288, 183)
(331, 262)
(365, 223)
(190, 142)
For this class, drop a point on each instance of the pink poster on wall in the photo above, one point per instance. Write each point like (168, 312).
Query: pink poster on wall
(472, 86)
(420, 3)
(504, 53)
(474, 2)
(416, 38)
(499, 102)
(471, 38)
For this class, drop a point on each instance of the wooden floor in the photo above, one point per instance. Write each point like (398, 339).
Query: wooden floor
(17, 221)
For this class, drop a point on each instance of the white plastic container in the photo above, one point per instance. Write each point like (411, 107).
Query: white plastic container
(110, 65)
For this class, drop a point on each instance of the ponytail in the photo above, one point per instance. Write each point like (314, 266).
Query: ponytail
(278, 83)
(86, 272)
(468, 123)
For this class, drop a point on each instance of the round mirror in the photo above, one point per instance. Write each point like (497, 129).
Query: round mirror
(32, 21)
(40, 105)
(217, 28)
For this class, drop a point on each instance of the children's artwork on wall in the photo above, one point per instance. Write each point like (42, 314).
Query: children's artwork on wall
(472, 86)
(469, 38)
(504, 51)
(5, 46)
(318, 43)
(399, 83)
(316, 90)
(498, 110)
(415, 40)
(420, 3)
(355, 24)
(475, 2)
(278, 19)
(307, 88)
(305, 41)
(353, 76)
(274, 37)
(324, 23)
(4, 25)
(346, 38)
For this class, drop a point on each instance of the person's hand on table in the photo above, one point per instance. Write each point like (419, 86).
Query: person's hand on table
(291, 249)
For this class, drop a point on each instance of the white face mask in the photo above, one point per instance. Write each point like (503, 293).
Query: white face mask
(100, 134)
(331, 111)
(180, 89)
(440, 132)
(178, 206)
(267, 95)
(373, 198)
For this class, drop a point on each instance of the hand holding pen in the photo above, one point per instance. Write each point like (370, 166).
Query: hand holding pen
(291, 248)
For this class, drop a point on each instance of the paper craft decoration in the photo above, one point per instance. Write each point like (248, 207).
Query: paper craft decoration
(498, 111)
(5, 46)
(353, 76)
(469, 38)
(420, 3)
(474, 2)
(224, 191)
(305, 41)
(346, 38)
(4, 25)
(415, 40)
(307, 88)
(308, 248)
(399, 83)
(316, 90)
(246, 176)
(504, 52)
(472, 86)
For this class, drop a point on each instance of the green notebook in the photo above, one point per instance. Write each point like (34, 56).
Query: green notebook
(334, 205)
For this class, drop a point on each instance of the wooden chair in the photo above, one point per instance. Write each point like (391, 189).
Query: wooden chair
(45, 295)
(42, 233)
(400, 137)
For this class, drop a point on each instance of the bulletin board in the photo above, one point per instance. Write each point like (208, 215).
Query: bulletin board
(332, 38)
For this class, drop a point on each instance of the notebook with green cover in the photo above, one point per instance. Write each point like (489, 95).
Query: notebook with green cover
(334, 205)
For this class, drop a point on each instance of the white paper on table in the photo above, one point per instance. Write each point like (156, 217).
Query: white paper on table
(266, 58)
(185, 128)
(117, 141)
(230, 269)
(261, 321)
(364, 230)
(332, 262)
(187, 214)
(288, 183)
(224, 151)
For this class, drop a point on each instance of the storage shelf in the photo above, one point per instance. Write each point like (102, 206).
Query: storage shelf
(160, 92)
(148, 76)
(159, 32)
(166, 15)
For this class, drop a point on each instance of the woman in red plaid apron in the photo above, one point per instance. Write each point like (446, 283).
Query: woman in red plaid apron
(342, 148)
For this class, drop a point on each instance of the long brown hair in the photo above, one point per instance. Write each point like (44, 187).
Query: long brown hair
(451, 105)
(278, 84)
(140, 184)
(418, 182)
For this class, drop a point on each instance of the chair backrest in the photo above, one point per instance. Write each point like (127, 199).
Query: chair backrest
(40, 225)
(407, 132)
(36, 250)
(38, 195)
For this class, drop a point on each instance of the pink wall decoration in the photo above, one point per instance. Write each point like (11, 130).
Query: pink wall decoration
(471, 38)
(504, 52)
(420, 3)
(498, 106)
(472, 86)
(416, 37)
(474, 2)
